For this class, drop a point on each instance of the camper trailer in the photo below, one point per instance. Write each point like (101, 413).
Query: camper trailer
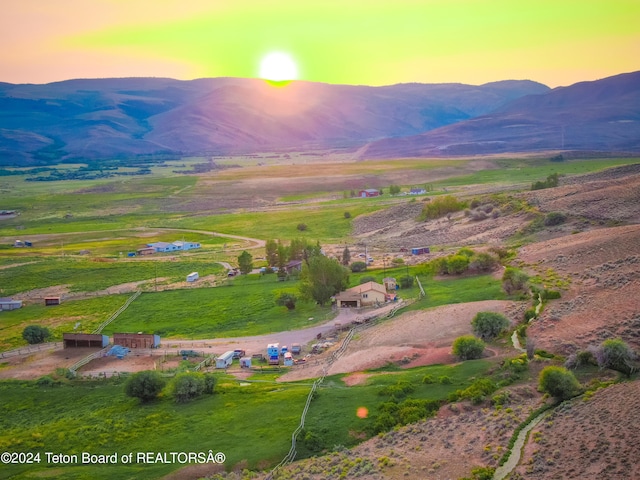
(225, 360)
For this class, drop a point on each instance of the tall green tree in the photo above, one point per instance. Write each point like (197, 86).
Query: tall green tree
(271, 253)
(559, 382)
(346, 256)
(245, 262)
(322, 278)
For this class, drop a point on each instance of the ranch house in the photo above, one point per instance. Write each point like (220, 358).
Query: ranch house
(180, 245)
(367, 294)
(163, 247)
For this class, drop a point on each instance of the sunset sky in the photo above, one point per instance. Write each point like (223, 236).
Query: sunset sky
(373, 42)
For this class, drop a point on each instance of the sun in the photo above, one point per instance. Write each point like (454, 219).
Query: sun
(278, 67)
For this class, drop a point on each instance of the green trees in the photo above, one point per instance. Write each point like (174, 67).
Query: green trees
(35, 334)
(322, 278)
(245, 262)
(394, 189)
(559, 382)
(358, 267)
(488, 325)
(144, 385)
(468, 347)
(514, 280)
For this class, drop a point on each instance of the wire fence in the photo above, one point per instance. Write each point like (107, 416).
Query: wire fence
(31, 349)
(118, 312)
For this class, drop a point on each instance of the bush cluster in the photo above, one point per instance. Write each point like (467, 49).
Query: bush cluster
(441, 206)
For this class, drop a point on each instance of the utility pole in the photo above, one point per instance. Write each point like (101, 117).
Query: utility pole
(156, 281)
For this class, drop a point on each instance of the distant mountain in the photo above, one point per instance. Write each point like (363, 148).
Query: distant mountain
(98, 119)
(602, 115)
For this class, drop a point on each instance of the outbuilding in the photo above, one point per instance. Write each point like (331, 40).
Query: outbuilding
(225, 360)
(48, 301)
(369, 192)
(136, 340)
(288, 359)
(419, 250)
(77, 340)
(245, 362)
(10, 304)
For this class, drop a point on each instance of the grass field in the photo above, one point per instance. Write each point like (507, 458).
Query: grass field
(251, 424)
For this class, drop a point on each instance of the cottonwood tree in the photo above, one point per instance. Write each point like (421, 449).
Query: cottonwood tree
(346, 256)
(187, 386)
(559, 382)
(322, 278)
(468, 347)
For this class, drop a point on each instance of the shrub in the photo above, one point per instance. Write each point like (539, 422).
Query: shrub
(467, 252)
(144, 385)
(347, 215)
(468, 347)
(478, 391)
(398, 261)
(441, 206)
(366, 279)
(210, 381)
(554, 218)
(406, 281)
(35, 334)
(457, 264)
(616, 355)
(559, 382)
(484, 262)
(551, 295)
(288, 300)
(187, 386)
(488, 325)
(358, 267)
(47, 381)
(428, 379)
(514, 280)
(302, 227)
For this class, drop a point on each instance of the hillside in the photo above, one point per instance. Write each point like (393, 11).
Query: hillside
(123, 118)
(602, 115)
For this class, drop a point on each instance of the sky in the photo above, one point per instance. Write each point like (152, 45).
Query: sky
(358, 42)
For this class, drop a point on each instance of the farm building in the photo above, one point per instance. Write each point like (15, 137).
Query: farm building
(293, 266)
(417, 191)
(180, 245)
(225, 360)
(146, 251)
(245, 362)
(136, 340)
(163, 247)
(364, 295)
(192, 277)
(369, 192)
(419, 250)
(390, 283)
(76, 340)
(9, 304)
(48, 301)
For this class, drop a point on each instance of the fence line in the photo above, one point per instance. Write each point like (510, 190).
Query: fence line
(80, 363)
(31, 348)
(118, 312)
(205, 363)
(291, 455)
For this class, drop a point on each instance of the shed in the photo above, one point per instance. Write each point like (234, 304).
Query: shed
(296, 348)
(76, 340)
(192, 277)
(245, 362)
(224, 360)
(136, 340)
(146, 251)
(389, 283)
(51, 301)
(9, 304)
(419, 250)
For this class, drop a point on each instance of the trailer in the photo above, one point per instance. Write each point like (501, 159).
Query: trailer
(192, 277)
(419, 250)
(225, 360)
(296, 348)
(288, 359)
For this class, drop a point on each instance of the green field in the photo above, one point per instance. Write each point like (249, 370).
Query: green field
(251, 424)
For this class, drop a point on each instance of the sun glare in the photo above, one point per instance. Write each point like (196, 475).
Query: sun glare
(278, 67)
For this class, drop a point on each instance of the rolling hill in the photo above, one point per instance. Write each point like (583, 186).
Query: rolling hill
(602, 115)
(95, 119)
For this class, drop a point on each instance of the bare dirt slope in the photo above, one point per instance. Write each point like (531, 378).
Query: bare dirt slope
(603, 298)
(424, 336)
(597, 438)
